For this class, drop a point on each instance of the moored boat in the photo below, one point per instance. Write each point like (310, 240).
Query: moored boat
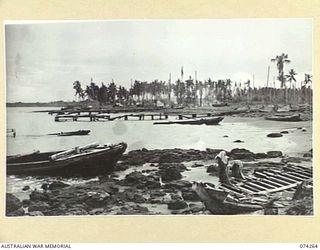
(90, 160)
(71, 133)
(222, 104)
(196, 121)
(285, 118)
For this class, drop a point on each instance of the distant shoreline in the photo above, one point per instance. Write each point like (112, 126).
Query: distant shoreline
(42, 104)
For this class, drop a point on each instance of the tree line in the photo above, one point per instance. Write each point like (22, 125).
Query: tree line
(192, 92)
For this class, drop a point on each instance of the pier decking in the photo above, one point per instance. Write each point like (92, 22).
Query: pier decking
(94, 116)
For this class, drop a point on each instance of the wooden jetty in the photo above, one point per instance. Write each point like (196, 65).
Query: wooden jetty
(97, 116)
(107, 117)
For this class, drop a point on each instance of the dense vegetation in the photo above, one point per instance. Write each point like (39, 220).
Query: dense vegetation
(192, 92)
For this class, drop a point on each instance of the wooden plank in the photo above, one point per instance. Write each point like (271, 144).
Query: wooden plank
(255, 186)
(263, 184)
(283, 183)
(284, 178)
(259, 174)
(279, 189)
(300, 175)
(309, 174)
(297, 178)
(271, 183)
(235, 189)
(249, 188)
(297, 169)
(234, 192)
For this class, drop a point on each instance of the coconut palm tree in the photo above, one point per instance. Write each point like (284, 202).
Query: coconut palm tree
(79, 91)
(290, 77)
(281, 60)
(307, 79)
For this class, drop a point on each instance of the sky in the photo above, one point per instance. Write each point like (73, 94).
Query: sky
(44, 59)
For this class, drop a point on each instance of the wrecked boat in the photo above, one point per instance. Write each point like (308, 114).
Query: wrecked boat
(90, 160)
(237, 194)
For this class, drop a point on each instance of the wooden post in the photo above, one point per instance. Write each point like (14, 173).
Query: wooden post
(151, 117)
(126, 117)
(160, 116)
(140, 117)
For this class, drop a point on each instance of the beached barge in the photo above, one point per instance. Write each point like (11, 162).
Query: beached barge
(90, 160)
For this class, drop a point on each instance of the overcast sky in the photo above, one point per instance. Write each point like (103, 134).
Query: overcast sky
(44, 59)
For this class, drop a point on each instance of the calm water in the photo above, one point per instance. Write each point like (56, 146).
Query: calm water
(32, 129)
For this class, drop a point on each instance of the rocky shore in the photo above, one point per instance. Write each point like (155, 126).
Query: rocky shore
(152, 182)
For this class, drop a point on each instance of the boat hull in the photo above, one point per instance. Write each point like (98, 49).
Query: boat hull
(293, 118)
(215, 201)
(79, 132)
(92, 164)
(197, 121)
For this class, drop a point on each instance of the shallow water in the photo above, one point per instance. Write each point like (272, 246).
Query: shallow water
(32, 129)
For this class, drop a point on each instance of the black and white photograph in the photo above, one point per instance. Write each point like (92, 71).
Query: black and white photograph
(159, 117)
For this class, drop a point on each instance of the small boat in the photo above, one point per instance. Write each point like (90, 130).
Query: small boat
(222, 104)
(195, 121)
(90, 160)
(71, 133)
(285, 118)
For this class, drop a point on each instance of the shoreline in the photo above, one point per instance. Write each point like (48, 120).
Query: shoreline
(150, 182)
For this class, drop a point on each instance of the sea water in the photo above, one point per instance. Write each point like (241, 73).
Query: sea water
(32, 129)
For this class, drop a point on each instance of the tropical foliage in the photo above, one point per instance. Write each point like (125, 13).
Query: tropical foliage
(192, 92)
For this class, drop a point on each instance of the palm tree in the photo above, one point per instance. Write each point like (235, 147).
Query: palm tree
(290, 77)
(281, 60)
(307, 79)
(112, 91)
(78, 89)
